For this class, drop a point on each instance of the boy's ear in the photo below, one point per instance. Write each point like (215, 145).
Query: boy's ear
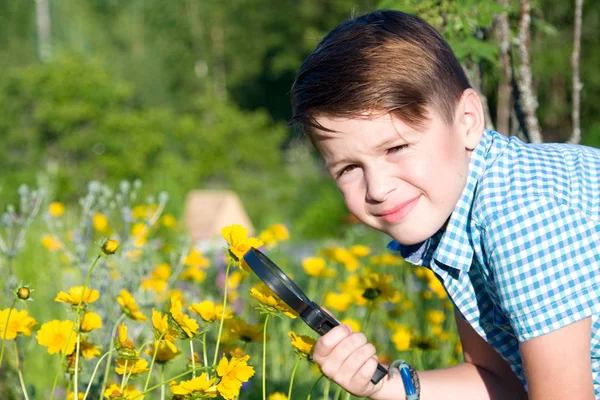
(469, 119)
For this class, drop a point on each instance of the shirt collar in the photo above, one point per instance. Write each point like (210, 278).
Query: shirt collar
(452, 246)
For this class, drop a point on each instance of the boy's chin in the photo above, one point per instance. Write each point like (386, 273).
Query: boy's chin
(409, 237)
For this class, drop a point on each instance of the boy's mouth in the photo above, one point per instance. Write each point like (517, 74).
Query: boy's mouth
(400, 211)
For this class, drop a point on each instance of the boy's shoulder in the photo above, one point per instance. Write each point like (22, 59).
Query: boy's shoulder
(514, 173)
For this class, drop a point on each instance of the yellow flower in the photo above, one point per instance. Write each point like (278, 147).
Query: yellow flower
(51, 242)
(235, 278)
(100, 222)
(438, 288)
(280, 231)
(359, 250)
(193, 274)
(377, 287)
(344, 257)
(139, 229)
(386, 259)
(401, 338)
(56, 209)
(110, 246)
(304, 344)
(209, 311)
(164, 353)
(161, 325)
(129, 307)
(139, 212)
(239, 243)
(124, 345)
(338, 301)
(274, 233)
(168, 221)
(435, 317)
(277, 396)
(129, 392)
(57, 336)
(158, 278)
(88, 349)
(90, 321)
(424, 343)
(74, 296)
(352, 323)
(20, 322)
(316, 266)
(200, 387)
(188, 325)
(262, 293)
(196, 259)
(233, 373)
(133, 367)
(267, 238)
(244, 331)
(71, 396)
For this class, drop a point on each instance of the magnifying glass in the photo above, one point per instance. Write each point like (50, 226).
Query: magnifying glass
(290, 293)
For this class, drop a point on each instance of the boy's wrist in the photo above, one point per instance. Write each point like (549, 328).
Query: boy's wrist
(391, 386)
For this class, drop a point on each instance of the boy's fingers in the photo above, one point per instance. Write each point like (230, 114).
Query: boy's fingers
(329, 341)
(344, 350)
(364, 362)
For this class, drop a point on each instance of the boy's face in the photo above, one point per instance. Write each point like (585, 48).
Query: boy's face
(397, 179)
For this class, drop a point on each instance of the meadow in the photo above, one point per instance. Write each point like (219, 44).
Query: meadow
(108, 298)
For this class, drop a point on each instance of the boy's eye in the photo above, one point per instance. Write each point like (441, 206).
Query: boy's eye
(396, 149)
(346, 169)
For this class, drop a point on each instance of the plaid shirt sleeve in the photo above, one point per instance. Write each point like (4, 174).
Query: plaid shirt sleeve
(545, 262)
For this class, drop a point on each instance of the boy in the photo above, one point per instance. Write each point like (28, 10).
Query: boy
(510, 229)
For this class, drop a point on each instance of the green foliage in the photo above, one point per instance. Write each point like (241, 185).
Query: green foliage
(461, 23)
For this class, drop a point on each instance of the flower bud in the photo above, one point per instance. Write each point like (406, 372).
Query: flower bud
(110, 246)
(23, 293)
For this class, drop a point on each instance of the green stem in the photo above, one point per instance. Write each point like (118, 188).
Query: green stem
(124, 375)
(6, 329)
(193, 358)
(347, 396)
(205, 355)
(225, 286)
(162, 379)
(338, 392)
(314, 386)
(111, 346)
(76, 321)
(23, 387)
(326, 390)
(87, 391)
(76, 384)
(156, 346)
(365, 323)
(264, 366)
(292, 378)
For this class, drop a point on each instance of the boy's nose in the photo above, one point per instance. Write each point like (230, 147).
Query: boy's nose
(379, 186)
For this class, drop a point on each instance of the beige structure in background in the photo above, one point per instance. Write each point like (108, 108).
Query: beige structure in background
(207, 211)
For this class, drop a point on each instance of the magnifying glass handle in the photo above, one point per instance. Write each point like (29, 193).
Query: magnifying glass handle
(322, 323)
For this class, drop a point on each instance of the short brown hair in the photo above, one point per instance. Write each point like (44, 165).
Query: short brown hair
(386, 61)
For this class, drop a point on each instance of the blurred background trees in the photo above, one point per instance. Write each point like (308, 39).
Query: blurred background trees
(195, 93)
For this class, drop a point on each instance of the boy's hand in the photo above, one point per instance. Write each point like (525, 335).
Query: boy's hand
(348, 359)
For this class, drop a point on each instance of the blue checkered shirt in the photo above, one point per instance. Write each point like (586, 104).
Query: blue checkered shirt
(519, 256)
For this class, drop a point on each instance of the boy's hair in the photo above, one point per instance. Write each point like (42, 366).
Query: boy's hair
(385, 61)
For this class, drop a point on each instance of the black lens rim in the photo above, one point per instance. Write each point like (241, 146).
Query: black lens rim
(277, 280)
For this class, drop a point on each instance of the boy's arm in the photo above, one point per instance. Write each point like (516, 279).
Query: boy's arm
(558, 364)
(484, 375)
(347, 359)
